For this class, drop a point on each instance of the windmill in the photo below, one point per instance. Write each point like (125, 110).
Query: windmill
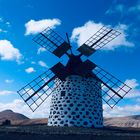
(79, 88)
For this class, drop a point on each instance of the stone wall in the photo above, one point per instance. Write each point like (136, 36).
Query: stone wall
(77, 102)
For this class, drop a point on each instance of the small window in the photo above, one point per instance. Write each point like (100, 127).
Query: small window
(63, 93)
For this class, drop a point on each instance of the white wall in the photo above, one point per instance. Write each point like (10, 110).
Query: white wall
(81, 105)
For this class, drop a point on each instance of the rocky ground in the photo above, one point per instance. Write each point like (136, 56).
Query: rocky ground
(23, 128)
(41, 132)
(128, 121)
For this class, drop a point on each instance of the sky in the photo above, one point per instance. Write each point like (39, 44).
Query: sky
(21, 60)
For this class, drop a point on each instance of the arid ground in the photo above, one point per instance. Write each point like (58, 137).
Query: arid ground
(23, 128)
(41, 132)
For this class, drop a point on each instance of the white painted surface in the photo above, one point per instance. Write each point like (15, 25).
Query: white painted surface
(81, 106)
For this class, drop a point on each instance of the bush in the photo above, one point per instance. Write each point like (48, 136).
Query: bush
(6, 122)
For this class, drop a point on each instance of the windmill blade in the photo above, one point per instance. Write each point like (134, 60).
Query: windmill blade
(60, 71)
(38, 90)
(51, 41)
(98, 40)
(113, 90)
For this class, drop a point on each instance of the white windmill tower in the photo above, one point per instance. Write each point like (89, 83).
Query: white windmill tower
(78, 88)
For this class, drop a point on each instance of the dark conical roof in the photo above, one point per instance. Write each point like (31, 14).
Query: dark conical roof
(75, 66)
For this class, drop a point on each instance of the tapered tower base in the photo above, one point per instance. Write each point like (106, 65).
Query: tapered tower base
(77, 102)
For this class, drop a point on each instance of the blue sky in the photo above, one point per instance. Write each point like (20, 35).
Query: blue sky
(21, 60)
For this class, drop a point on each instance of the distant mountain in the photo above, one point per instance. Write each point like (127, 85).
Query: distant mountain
(31, 121)
(128, 121)
(12, 116)
(20, 119)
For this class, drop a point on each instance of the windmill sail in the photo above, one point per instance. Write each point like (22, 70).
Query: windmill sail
(38, 90)
(52, 42)
(98, 40)
(113, 90)
(78, 87)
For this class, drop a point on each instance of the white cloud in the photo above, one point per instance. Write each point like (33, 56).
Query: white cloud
(40, 50)
(3, 31)
(118, 111)
(135, 92)
(29, 90)
(42, 64)
(132, 94)
(6, 92)
(34, 27)
(120, 40)
(43, 111)
(8, 52)
(115, 9)
(7, 23)
(8, 81)
(135, 8)
(30, 70)
(123, 110)
(20, 106)
(132, 83)
(83, 33)
(33, 62)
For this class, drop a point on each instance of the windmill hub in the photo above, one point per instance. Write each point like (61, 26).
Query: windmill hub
(75, 66)
(79, 88)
